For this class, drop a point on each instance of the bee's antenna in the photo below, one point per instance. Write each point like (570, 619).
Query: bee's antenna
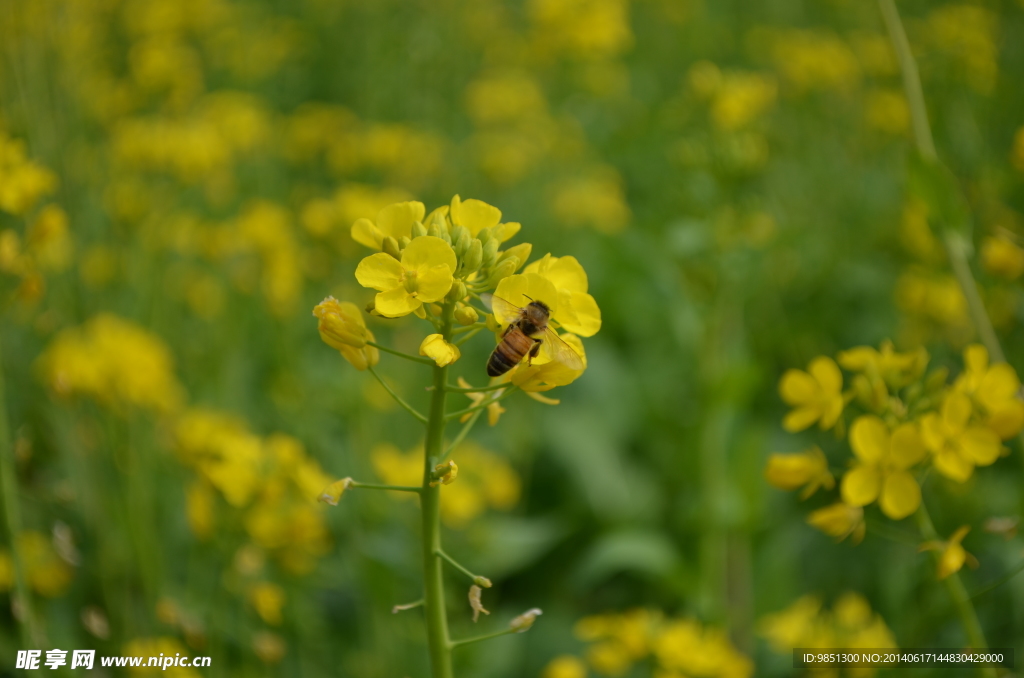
(528, 297)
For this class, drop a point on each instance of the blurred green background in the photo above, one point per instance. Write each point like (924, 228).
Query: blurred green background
(177, 183)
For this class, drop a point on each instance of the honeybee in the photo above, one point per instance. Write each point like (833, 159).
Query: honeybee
(528, 328)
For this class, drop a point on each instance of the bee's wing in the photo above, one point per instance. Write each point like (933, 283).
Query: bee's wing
(562, 352)
(505, 312)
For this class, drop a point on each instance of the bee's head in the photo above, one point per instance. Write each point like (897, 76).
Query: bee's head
(539, 304)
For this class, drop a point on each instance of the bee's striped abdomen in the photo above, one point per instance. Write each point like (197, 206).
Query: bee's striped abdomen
(509, 352)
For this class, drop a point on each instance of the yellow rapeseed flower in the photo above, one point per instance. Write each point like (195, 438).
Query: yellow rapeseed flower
(267, 599)
(995, 389)
(395, 220)
(957, 445)
(577, 311)
(881, 471)
(895, 369)
(1002, 257)
(839, 520)
(477, 215)
(423, 275)
(46, 572)
(815, 394)
(440, 351)
(342, 327)
(565, 666)
(545, 374)
(952, 554)
(807, 469)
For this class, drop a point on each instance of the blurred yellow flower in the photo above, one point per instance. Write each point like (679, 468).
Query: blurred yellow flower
(790, 627)
(792, 471)
(896, 370)
(342, 327)
(22, 181)
(440, 351)
(839, 520)
(957, 445)
(423, 275)
(995, 389)
(114, 361)
(881, 471)
(741, 98)
(200, 508)
(952, 555)
(969, 34)
(394, 220)
(1001, 256)
(154, 647)
(594, 197)
(332, 493)
(267, 599)
(269, 647)
(814, 59)
(565, 666)
(49, 240)
(815, 394)
(45, 571)
(887, 111)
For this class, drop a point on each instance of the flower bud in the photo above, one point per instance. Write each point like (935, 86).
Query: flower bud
(466, 315)
(434, 229)
(458, 291)
(490, 253)
(332, 493)
(485, 235)
(444, 474)
(460, 240)
(390, 246)
(418, 229)
(340, 324)
(502, 270)
(520, 251)
(482, 581)
(525, 620)
(439, 350)
(403, 242)
(474, 257)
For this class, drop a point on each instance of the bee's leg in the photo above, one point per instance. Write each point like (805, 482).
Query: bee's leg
(534, 350)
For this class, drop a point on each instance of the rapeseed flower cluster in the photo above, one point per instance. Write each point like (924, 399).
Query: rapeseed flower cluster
(455, 255)
(898, 422)
(269, 485)
(849, 625)
(48, 570)
(673, 647)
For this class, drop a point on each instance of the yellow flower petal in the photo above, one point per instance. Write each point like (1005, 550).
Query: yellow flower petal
(426, 252)
(380, 271)
(825, 370)
(869, 438)
(953, 465)
(976, 358)
(440, 351)
(365, 233)
(951, 560)
(956, 411)
(565, 273)
(861, 485)
(578, 313)
(397, 219)
(901, 495)
(475, 215)
(433, 283)
(1007, 419)
(907, 447)
(396, 303)
(859, 358)
(520, 289)
(797, 387)
(800, 418)
(981, 444)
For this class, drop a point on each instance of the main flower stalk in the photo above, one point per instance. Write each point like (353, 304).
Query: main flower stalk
(430, 503)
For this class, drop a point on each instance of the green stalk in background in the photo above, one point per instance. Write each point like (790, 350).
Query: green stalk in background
(12, 521)
(958, 249)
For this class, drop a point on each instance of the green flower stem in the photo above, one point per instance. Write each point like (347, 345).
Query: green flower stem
(477, 639)
(962, 602)
(476, 389)
(468, 328)
(462, 434)
(12, 519)
(430, 502)
(398, 399)
(999, 582)
(397, 488)
(414, 358)
(475, 578)
(483, 405)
